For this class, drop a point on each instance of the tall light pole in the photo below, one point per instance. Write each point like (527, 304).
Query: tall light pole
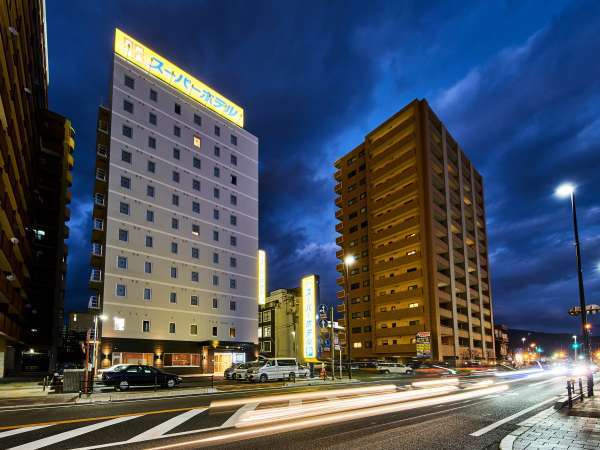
(575, 347)
(102, 318)
(348, 261)
(564, 191)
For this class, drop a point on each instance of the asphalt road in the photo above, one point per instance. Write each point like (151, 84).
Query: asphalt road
(444, 421)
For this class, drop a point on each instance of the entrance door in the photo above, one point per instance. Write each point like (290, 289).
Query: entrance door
(222, 362)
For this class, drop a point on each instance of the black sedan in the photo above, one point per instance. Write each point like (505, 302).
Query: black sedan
(124, 376)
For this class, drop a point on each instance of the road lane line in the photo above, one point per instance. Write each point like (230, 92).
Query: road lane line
(236, 416)
(166, 426)
(55, 439)
(553, 380)
(495, 425)
(21, 430)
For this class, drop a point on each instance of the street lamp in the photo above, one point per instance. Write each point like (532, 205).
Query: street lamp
(348, 261)
(568, 190)
(102, 318)
(575, 347)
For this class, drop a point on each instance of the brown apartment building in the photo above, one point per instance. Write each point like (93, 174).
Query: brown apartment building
(36, 159)
(411, 212)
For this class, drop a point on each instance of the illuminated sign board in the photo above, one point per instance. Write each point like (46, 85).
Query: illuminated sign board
(309, 317)
(164, 70)
(262, 277)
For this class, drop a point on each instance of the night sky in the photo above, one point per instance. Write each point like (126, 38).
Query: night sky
(517, 83)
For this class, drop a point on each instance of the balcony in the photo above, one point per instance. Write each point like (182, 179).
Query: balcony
(396, 314)
(338, 175)
(338, 188)
(339, 214)
(443, 296)
(446, 331)
(405, 277)
(399, 296)
(391, 183)
(102, 151)
(397, 262)
(442, 280)
(394, 247)
(395, 213)
(395, 229)
(446, 313)
(339, 227)
(399, 331)
(67, 213)
(440, 246)
(399, 349)
(394, 164)
(339, 240)
(338, 202)
(339, 281)
(398, 196)
(69, 179)
(340, 295)
(447, 350)
(341, 308)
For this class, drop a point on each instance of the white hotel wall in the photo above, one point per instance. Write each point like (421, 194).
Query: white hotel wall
(159, 311)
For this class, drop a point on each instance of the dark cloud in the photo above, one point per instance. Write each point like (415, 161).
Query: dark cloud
(315, 76)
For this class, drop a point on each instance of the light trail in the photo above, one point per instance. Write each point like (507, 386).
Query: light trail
(436, 382)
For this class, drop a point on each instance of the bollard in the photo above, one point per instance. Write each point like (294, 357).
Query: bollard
(581, 389)
(569, 394)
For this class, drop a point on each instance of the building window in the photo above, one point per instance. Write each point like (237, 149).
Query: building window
(215, 235)
(174, 247)
(147, 294)
(149, 216)
(152, 118)
(119, 323)
(234, 180)
(98, 224)
(146, 326)
(173, 297)
(153, 95)
(217, 130)
(267, 331)
(216, 192)
(126, 183)
(214, 331)
(197, 163)
(174, 223)
(151, 166)
(197, 141)
(176, 176)
(147, 267)
(121, 290)
(233, 140)
(357, 345)
(232, 305)
(196, 185)
(216, 172)
(196, 207)
(176, 131)
(150, 191)
(123, 235)
(126, 156)
(129, 82)
(175, 200)
(215, 280)
(127, 131)
(232, 332)
(194, 300)
(124, 208)
(122, 262)
(233, 220)
(266, 346)
(173, 272)
(195, 253)
(215, 303)
(196, 229)
(151, 142)
(128, 106)
(216, 214)
(193, 329)
(177, 108)
(217, 151)
(232, 283)
(149, 242)
(232, 262)
(233, 160)
(233, 241)
(233, 199)
(197, 120)
(195, 277)
(176, 153)
(215, 258)
(172, 327)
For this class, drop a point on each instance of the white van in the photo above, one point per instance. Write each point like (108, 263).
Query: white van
(273, 369)
(383, 367)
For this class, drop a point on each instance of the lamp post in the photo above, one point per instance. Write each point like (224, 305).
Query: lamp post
(575, 347)
(564, 191)
(348, 261)
(102, 318)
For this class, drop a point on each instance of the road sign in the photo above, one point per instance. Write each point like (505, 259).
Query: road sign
(423, 339)
(323, 323)
(323, 311)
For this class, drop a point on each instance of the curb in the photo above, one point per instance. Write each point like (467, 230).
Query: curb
(508, 441)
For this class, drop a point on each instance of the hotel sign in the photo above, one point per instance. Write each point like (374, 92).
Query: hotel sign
(309, 317)
(262, 277)
(164, 70)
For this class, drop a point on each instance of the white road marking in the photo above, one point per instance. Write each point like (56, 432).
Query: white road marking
(236, 416)
(553, 380)
(495, 425)
(165, 427)
(21, 430)
(50, 440)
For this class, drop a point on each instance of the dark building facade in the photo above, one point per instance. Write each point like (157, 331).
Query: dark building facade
(36, 158)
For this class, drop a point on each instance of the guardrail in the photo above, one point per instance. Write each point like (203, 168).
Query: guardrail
(571, 391)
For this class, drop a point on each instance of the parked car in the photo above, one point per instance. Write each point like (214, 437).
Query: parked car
(228, 374)
(241, 372)
(303, 372)
(384, 367)
(273, 369)
(125, 376)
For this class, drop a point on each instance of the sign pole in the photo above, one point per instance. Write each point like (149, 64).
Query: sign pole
(332, 346)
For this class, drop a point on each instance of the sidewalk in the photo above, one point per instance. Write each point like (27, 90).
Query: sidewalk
(575, 428)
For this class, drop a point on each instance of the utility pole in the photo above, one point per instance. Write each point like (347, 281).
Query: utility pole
(332, 346)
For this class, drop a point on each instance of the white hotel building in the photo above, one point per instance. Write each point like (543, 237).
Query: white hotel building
(175, 220)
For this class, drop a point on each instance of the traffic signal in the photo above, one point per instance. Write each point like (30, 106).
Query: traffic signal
(575, 345)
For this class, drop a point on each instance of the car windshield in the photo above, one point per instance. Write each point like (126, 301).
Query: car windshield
(118, 368)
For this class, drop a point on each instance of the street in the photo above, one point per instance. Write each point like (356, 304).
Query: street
(466, 413)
